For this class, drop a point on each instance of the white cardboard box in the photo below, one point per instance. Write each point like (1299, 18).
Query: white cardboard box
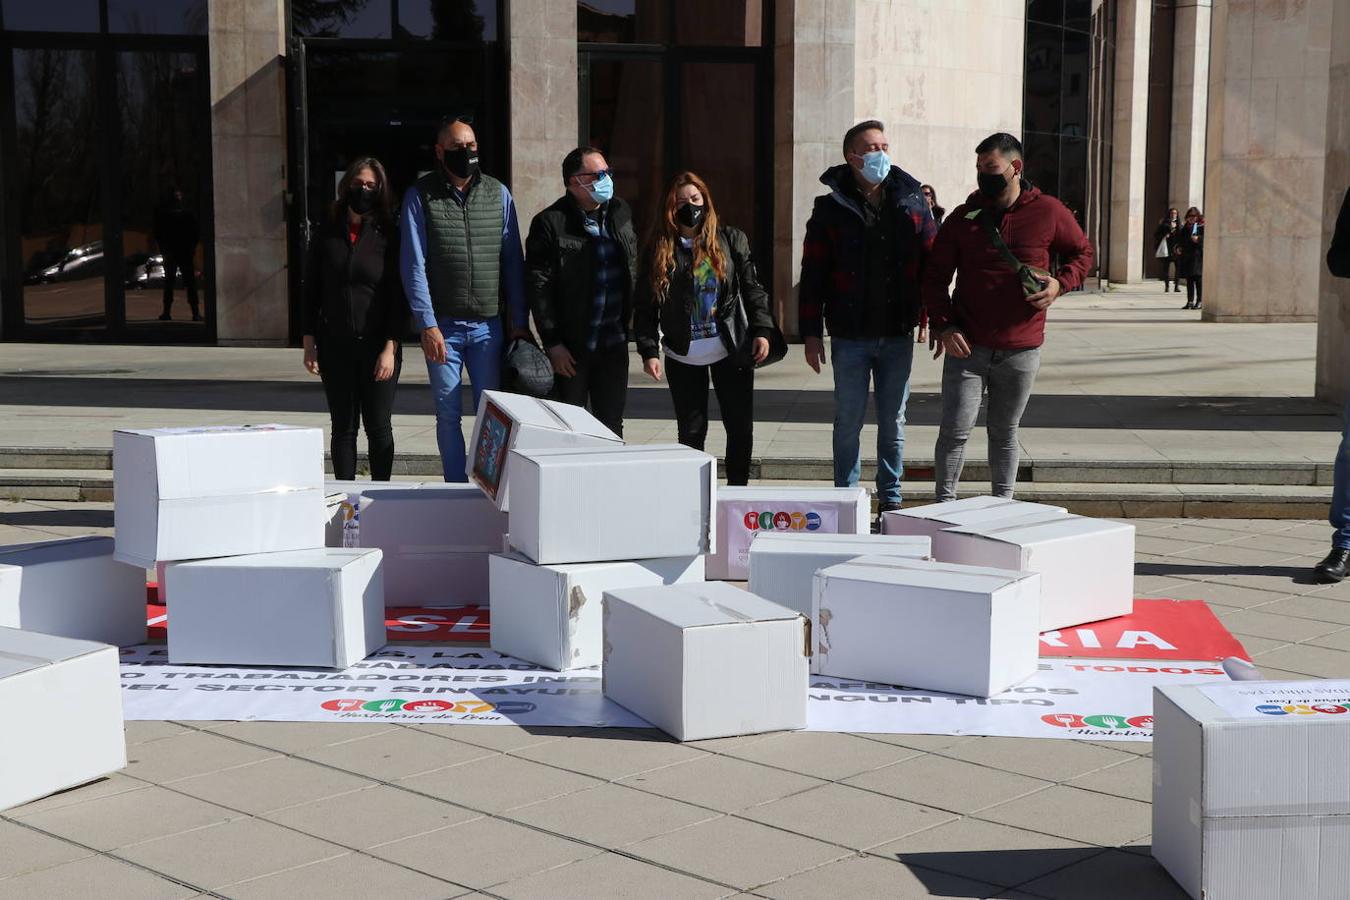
(551, 615)
(192, 493)
(63, 714)
(321, 607)
(929, 520)
(598, 504)
(507, 422)
(706, 660)
(1087, 565)
(783, 565)
(928, 625)
(743, 512)
(436, 540)
(1250, 800)
(72, 587)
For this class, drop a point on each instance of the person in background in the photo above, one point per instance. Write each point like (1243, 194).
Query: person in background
(993, 324)
(464, 274)
(930, 194)
(1333, 568)
(580, 264)
(865, 246)
(175, 231)
(696, 277)
(1166, 237)
(1191, 258)
(354, 316)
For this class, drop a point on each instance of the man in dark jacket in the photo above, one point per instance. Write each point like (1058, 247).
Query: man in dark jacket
(990, 327)
(865, 246)
(580, 260)
(1335, 566)
(176, 233)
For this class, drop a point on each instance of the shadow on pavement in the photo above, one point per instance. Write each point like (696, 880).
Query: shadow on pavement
(1296, 574)
(71, 518)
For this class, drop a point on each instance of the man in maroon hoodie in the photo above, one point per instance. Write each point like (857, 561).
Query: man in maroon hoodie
(990, 327)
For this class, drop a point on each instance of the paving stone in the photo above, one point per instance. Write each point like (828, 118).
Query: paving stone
(366, 818)
(1299, 546)
(1287, 629)
(1317, 661)
(1050, 760)
(721, 745)
(224, 854)
(620, 876)
(297, 737)
(722, 783)
(611, 815)
(843, 815)
(1132, 779)
(1226, 594)
(1075, 814)
(186, 755)
(1255, 646)
(1339, 591)
(129, 818)
(612, 755)
(138, 732)
(495, 737)
(25, 850)
(483, 852)
(117, 783)
(396, 754)
(270, 784)
(497, 783)
(1339, 640)
(354, 876)
(869, 876)
(1234, 555)
(1284, 578)
(948, 784)
(822, 754)
(1130, 876)
(115, 881)
(736, 852)
(986, 851)
(926, 742)
(1323, 609)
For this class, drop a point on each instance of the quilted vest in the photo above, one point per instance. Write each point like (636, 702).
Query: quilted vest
(464, 247)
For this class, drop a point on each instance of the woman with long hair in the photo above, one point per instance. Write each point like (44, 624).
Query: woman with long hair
(1168, 236)
(930, 194)
(698, 297)
(354, 316)
(1191, 259)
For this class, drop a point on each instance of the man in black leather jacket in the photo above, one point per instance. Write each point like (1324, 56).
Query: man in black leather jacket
(580, 263)
(1335, 566)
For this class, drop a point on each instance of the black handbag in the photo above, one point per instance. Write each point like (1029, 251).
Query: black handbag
(741, 341)
(526, 369)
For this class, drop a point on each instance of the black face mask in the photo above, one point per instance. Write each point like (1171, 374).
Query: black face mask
(689, 215)
(991, 184)
(462, 163)
(360, 200)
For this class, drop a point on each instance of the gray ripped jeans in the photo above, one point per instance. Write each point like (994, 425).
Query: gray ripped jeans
(1008, 375)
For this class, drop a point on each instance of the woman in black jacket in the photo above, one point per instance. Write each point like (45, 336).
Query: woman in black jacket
(354, 315)
(1191, 259)
(698, 295)
(1167, 238)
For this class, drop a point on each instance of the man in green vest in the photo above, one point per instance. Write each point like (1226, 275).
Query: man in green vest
(464, 274)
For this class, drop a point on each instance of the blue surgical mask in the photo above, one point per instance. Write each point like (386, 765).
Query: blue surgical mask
(876, 166)
(602, 189)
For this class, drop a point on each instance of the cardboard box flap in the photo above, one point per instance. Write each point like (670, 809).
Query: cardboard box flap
(629, 453)
(953, 509)
(1042, 529)
(821, 542)
(577, 419)
(57, 550)
(322, 558)
(184, 463)
(926, 574)
(21, 651)
(695, 605)
(551, 414)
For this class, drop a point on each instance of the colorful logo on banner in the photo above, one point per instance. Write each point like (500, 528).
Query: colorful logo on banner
(390, 705)
(1302, 709)
(782, 521)
(1107, 722)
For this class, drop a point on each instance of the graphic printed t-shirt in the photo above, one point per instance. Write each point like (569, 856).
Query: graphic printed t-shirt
(705, 346)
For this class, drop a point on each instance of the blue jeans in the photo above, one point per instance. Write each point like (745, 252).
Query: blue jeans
(886, 361)
(1340, 493)
(475, 344)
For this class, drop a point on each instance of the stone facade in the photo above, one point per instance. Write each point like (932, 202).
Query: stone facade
(1190, 103)
(541, 53)
(1129, 220)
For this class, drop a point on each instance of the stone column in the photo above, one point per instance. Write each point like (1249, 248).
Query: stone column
(1266, 152)
(942, 76)
(1190, 90)
(1333, 318)
(1125, 257)
(248, 145)
(813, 107)
(541, 53)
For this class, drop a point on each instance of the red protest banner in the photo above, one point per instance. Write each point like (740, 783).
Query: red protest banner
(1157, 629)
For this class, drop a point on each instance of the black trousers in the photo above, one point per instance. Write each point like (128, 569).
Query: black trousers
(1169, 263)
(735, 389)
(347, 367)
(173, 265)
(600, 384)
(1194, 283)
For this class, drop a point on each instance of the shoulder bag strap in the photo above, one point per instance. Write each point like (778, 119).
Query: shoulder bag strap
(991, 231)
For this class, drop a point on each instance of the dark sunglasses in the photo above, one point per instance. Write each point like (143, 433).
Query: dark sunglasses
(594, 175)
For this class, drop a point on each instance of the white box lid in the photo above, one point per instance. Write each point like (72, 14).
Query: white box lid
(552, 414)
(825, 542)
(57, 550)
(920, 573)
(804, 494)
(23, 651)
(941, 511)
(319, 558)
(628, 453)
(699, 604)
(1042, 530)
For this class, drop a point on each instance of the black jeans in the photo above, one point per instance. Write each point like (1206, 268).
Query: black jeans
(172, 266)
(1170, 265)
(601, 384)
(1193, 285)
(735, 389)
(347, 367)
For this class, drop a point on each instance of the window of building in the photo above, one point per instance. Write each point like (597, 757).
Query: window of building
(455, 21)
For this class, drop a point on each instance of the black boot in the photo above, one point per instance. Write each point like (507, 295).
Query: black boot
(1333, 568)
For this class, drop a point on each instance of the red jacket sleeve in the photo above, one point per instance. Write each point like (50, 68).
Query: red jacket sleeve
(1072, 247)
(943, 258)
(817, 261)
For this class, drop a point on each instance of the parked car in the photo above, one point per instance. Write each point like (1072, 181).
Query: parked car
(147, 271)
(85, 261)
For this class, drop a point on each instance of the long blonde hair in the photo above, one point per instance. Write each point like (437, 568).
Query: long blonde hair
(665, 231)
